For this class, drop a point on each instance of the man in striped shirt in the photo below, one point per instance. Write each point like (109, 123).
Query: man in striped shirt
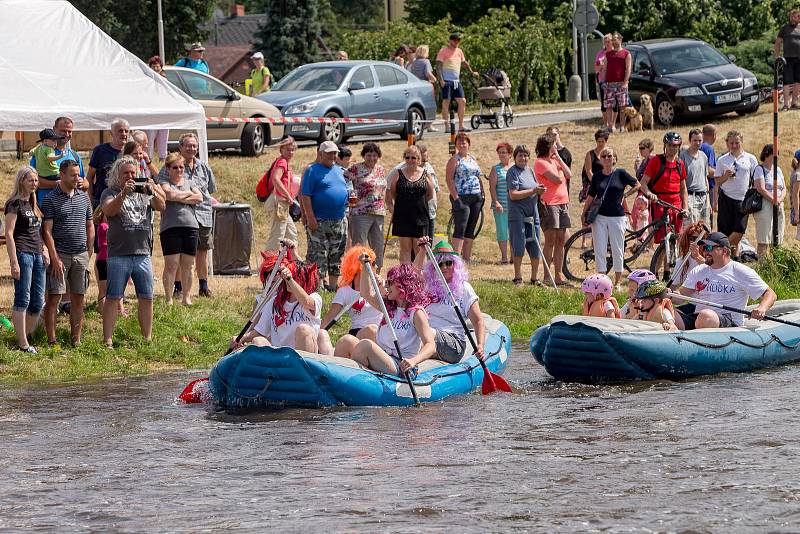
(68, 234)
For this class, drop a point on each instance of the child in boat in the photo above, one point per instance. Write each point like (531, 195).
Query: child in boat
(292, 317)
(362, 314)
(451, 340)
(405, 302)
(598, 301)
(654, 305)
(635, 279)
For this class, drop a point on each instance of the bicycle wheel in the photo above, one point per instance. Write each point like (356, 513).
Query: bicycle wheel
(579, 260)
(450, 228)
(657, 263)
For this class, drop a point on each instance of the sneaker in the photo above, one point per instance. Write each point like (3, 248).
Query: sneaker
(30, 349)
(205, 292)
(63, 308)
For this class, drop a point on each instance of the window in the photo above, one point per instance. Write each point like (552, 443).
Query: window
(641, 61)
(364, 74)
(386, 75)
(204, 88)
(687, 57)
(322, 78)
(172, 76)
(402, 79)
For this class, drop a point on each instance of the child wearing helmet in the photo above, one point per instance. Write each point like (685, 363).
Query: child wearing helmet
(653, 305)
(598, 301)
(635, 279)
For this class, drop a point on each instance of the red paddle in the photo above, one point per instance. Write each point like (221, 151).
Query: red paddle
(491, 381)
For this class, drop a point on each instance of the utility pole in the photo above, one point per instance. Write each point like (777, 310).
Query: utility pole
(161, 34)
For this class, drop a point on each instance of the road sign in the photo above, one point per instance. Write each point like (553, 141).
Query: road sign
(586, 17)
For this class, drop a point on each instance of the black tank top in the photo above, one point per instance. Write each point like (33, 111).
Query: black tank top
(411, 202)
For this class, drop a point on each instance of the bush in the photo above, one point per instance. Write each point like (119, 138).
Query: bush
(527, 49)
(757, 56)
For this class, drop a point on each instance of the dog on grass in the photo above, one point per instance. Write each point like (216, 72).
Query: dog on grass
(632, 119)
(646, 110)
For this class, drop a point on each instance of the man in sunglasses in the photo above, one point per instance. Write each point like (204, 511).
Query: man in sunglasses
(722, 281)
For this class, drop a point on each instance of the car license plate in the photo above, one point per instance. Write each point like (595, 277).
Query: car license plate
(730, 97)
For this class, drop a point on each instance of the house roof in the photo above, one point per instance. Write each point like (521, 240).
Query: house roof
(234, 31)
(222, 59)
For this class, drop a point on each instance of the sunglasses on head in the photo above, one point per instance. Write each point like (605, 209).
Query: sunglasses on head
(446, 263)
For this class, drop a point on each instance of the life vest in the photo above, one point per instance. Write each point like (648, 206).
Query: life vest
(587, 310)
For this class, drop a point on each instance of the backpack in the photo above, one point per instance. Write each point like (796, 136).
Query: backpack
(662, 159)
(264, 185)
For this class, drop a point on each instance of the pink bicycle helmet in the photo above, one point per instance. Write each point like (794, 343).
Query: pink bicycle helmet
(598, 284)
(640, 276)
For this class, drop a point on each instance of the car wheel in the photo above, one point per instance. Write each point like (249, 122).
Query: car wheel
(747, 111)
(417, 124)
(252, 140)
(330, 131)
(665, 111)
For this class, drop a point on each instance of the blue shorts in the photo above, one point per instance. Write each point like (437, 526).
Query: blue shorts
(452, 89)
(520, 234)
(137, 267)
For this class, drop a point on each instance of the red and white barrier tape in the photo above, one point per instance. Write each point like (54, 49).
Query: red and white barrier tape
(307, 120)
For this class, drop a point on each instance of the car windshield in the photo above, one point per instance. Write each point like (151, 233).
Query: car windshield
(690, 57)
(322, 78)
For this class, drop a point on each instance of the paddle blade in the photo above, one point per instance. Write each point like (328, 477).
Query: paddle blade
(195, 392)
(493, 382)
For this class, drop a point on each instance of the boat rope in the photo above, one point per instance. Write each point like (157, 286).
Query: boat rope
(735, 340)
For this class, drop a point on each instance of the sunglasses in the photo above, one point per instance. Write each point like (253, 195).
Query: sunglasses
(413, 158)
(177, 167)
(446, 263)
(606, 157)
(709, 248)
(643, 148)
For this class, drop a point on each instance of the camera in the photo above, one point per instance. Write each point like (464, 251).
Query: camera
(141, 185)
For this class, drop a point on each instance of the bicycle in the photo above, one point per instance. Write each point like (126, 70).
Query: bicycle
(579, 262)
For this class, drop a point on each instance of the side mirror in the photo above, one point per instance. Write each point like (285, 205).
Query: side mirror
(357, 86)
(645, 73)
(233, 95)
(732, 58)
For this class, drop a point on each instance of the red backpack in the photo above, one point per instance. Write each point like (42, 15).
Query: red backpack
(264, 185)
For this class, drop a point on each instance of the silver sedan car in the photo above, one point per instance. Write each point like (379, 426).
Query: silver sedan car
(352, 89)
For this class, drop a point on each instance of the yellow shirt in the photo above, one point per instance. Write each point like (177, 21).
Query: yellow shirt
(258, 76)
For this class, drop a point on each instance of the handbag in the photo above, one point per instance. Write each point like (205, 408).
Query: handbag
(295, 212)
(753, 201)
(594, 207)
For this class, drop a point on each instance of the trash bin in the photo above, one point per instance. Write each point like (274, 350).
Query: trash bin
(233, 239)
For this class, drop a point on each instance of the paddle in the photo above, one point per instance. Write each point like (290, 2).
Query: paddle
(491, 381)
(339, 315)
(686, 257)
(376, 288)
(386, 238)
(729, 308)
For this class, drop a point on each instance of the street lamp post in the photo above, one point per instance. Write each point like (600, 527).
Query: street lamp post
(161, 34)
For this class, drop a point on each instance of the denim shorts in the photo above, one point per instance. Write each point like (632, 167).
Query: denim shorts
(29, 289)
(137, 267)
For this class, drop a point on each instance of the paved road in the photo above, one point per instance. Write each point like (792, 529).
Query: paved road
(521, 121)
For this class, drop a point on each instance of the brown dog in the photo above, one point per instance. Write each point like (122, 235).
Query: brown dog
(632, 119)
(646, 110)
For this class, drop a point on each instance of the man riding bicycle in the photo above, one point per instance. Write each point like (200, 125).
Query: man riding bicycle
(665, 179)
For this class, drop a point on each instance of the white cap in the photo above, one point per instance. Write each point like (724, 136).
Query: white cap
(257, 55)
(328, 146)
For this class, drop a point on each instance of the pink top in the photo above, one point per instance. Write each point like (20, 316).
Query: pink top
(554, 194)
(102, 241)
(601, 77)
(287, 179)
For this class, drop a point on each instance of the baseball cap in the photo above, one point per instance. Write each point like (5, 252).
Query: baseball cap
(716, 238)
(328, 146)
(455, 36)
(49, 133)
(195, 46)
(257, 55)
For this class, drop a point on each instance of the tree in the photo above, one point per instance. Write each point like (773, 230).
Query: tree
(289, 35)
(133, 24)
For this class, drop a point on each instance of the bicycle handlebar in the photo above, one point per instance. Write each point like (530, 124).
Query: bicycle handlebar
(667, 205)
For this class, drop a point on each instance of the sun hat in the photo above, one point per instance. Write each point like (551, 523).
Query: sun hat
(195, 46)
(443, 247)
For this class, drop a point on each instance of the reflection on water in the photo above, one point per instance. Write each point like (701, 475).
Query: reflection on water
(711, 455)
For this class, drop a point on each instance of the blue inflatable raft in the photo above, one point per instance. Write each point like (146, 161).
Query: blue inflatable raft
(263, 377)
(599, 350)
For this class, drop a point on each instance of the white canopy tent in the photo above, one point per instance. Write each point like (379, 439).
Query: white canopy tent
(54, 61)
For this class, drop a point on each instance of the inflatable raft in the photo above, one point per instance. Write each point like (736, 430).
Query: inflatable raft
(263, 377)
(599, 350)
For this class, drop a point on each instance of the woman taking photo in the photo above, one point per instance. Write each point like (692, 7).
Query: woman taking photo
(553, 174)
(763, 180)
(367, 215)
(608, 185)
(523, 215)
(282, 192)
(179, 228)
(498, 189)
(412, 188)
(26, 255)
(463, 177)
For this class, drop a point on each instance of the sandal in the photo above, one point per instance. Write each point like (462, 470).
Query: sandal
(517, 281)
(536, 282)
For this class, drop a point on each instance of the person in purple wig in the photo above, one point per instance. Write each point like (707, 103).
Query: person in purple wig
(405, 301)
(451, 340)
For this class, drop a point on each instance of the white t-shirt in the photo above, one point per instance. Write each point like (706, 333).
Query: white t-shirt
(744, 166)
(731, 285)
(361, 313)
(407, 336)
(282, 335)
(442, 316)
(760, 175)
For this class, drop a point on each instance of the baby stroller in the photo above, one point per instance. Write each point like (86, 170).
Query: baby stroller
(494, 95)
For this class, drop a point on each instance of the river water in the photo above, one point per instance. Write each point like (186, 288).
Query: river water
(713, 455)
